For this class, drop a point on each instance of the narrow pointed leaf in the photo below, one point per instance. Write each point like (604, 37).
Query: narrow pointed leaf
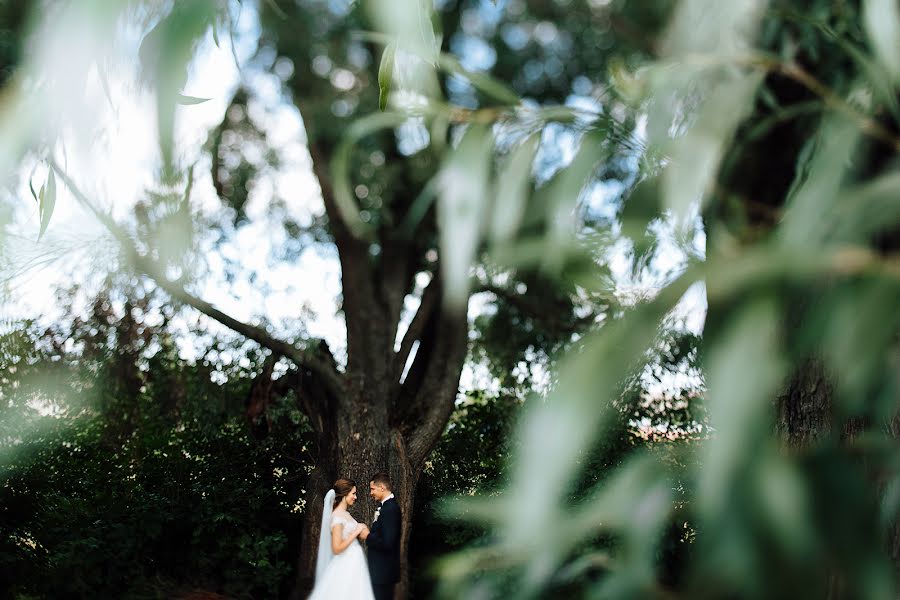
(512, 188)
(485, 83)
(190, 100)
(277, 9)
(385, 74)
(882, 21)
(47, 202)
(31, 184)
(461, 208)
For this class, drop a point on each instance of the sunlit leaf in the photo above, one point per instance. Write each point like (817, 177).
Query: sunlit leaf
(165, 52)
(556, 430)
(483, 82)
(462, 204)
(721, 28)
(815, 191)
(385, 74)
(513, 183)
(191, 100)
(882, 21)
(409, 24)
(47, 202)
(695, 158)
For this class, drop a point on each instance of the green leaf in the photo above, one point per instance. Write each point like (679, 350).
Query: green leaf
(277, 9)
(165, 53)
(695, 157)
(427, 40)
(47, 202)
(463, 183)
(815, 194)
(418, 209)
(385, 74)
(560, 197)
(31, 184)
(408, 22)
(512, 189)
(190, 100)
(784, 500)
(485, 83)
(739, 399)
(882, 21)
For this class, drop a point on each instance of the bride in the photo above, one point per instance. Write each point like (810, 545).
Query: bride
(341, 569)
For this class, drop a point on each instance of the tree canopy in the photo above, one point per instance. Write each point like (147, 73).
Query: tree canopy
(580, 170)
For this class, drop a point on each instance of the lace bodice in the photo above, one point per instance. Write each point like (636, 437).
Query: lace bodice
(347, 521)
(344, 575)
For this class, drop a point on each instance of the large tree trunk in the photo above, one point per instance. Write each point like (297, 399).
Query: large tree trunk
(405, 480)
(380, 420)
(375, 415)
(804, 406)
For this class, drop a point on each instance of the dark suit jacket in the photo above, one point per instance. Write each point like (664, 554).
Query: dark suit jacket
(384, 545)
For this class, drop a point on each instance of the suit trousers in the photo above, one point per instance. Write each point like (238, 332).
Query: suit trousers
(383, 591)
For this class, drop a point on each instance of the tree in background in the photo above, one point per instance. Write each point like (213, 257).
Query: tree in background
(700, 112)
(386, 403)
(128, 472)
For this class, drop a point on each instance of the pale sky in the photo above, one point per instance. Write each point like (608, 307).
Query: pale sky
(116, 162)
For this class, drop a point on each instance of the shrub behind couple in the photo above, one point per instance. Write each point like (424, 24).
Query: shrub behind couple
(342, 570)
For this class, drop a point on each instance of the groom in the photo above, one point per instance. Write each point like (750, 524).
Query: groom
(383, 540)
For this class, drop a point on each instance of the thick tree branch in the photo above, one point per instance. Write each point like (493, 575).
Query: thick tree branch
(150, 268)
(427, 397)
(435, 397)
(430, 300)
(395, 278)
(365, 329)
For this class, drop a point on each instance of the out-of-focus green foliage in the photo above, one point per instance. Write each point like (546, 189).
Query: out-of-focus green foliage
(769, 127)
(127, 472)
(775, 123)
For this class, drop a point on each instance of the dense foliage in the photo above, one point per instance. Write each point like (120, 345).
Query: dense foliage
(128, 473)
(560, 154)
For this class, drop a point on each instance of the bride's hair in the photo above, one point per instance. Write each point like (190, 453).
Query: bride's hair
(341, 488)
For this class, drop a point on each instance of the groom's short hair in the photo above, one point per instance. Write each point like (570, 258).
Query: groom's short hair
(382, 479)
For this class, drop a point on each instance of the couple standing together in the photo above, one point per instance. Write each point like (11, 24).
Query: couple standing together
(342, 571)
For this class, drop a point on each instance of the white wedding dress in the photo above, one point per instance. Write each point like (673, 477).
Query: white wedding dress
(344, 576)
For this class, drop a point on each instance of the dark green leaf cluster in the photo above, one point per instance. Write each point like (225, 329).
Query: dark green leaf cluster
(127, 472)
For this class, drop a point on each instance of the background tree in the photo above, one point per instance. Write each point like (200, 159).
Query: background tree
(387, 401)
(669, 140)
(128, 472)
